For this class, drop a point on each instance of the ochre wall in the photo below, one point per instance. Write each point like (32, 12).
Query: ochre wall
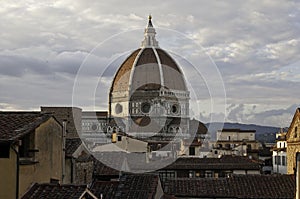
(8, 173)
(293, 143)
(48, 140)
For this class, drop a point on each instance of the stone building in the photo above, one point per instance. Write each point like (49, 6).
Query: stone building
(31, 151)
(95, 127)
(293, 142)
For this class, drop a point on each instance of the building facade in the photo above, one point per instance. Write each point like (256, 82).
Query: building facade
(279, 156)
(31, 151)
(236, 142)
(293, 142)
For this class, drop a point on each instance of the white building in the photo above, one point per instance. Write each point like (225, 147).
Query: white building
(279, 154)
(236, 142)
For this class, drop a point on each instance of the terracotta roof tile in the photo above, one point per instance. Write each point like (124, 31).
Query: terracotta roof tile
(14, 125)
(239, 186)
(100, 169)
(225, 162)
(52, 191)
(105, 188)
(72, 145)
(138, 186)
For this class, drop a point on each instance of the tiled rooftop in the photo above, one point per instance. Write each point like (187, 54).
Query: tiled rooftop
(225, 162)
(135, 162)
(105, 188)
(238, 130)
(72, 145)
(101, 169)
(240, 186)
(137, 186)
(14, 125)
(140, 186)
(54, 191)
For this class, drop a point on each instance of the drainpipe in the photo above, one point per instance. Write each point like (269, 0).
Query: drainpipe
(18, 171)
(64, 150)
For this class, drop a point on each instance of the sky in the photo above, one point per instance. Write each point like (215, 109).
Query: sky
(253, 48)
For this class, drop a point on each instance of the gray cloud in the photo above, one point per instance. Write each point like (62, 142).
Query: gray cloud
(43, 45)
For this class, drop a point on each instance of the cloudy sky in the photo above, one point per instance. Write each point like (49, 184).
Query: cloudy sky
(254, 45)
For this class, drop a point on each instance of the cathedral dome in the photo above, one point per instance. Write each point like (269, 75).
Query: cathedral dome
(148, 91)
(148, 68)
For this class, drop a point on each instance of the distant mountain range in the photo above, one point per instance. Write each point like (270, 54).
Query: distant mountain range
(264, 134)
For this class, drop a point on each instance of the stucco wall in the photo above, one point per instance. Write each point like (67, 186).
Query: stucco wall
(48, 140)
(235, 135)
(72, 115)
(8, 182)
(132, 145)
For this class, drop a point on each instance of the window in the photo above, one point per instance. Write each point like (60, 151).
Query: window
(146, 107)
(119, 138)
(191, 174)
(118, 108)
(4, 152)
(249, 147)
(296, 129)
(277, 160)
(164, 175)
(208, 174)
(192, 151)
(283, 160)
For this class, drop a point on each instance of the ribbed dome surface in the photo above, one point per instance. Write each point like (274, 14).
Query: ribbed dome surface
(148, 69)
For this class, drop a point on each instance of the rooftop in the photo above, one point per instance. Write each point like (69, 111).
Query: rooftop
(50, 191)
(94, 114)
(238, 130)
(239, 186)
(72, 145)
(141, 186)
(138, 186)
(14, 125)
(225, 162)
